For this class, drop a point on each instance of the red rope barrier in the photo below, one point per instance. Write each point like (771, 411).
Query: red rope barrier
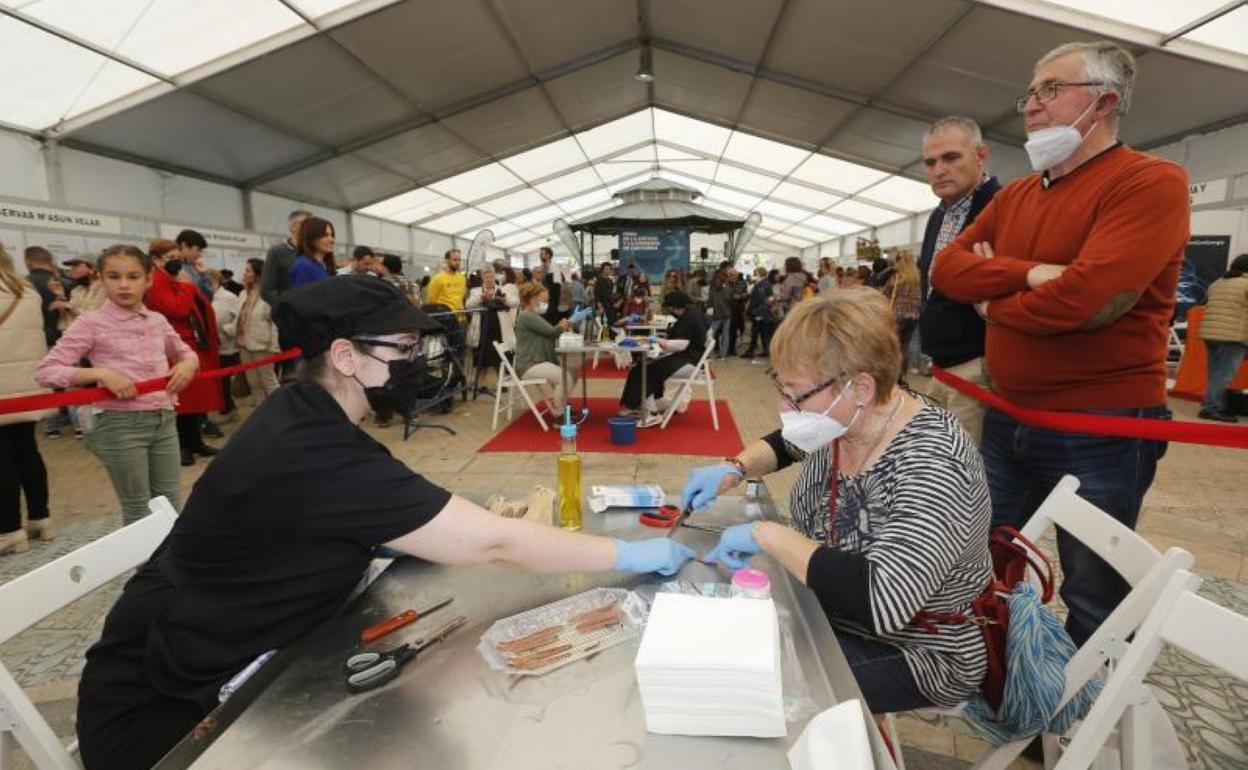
(81, 396)
(1100, 424)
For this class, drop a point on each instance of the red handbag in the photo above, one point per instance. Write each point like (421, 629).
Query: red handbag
(1012, 555)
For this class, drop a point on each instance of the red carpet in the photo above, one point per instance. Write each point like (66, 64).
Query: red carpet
(690, 433)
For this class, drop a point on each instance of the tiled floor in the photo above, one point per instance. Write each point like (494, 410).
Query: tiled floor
(1199, 501)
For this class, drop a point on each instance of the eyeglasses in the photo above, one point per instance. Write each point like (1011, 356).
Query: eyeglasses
(1047, 92)
(793, 402)
(408, 350)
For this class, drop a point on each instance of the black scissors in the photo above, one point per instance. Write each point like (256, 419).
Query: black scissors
(366, 670)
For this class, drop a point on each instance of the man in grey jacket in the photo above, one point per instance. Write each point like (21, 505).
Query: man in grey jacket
(279, 261)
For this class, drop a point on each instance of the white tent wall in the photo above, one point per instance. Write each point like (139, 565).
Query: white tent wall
(1232, 222)
(270, 214)
(21, 167)
(97, 182)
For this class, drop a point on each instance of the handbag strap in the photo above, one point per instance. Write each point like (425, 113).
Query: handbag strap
(1036, 559)
(834, 492)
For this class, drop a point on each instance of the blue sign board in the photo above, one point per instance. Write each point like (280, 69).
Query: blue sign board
(655, 250)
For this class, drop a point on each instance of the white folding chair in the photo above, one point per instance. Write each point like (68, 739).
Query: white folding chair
(1144, 568)
(509, 382)
(28, 599)
(1181, 618)
(1176, 344)
(687, 377)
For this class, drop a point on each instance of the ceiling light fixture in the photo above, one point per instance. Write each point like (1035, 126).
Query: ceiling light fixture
(645, 72)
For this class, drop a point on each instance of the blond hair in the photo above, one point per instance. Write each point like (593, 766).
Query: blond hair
(840, 334)
(9, 278)
(530, 290)
(159, 247)
(906, 271)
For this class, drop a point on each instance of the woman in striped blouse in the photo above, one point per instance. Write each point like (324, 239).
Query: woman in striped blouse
(890, 508)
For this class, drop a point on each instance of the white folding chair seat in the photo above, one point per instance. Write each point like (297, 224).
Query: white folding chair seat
(1196, 625)
(509, 383)
(28, 599)
(687, 377)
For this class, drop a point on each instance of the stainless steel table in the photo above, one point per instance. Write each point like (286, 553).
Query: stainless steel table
(447, 709)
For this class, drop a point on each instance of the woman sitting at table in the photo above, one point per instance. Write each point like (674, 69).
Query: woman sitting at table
(285, 522)
(535, 345)
(890, 505)
(685, 343)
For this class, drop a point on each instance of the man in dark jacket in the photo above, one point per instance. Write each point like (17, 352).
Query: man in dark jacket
(275, 279)
(279, 261)
(53, 290)
(552, 283)
(53, 293)
(952, 333)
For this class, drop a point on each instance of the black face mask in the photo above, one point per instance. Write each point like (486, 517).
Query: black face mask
(402, 388)
(173, 266)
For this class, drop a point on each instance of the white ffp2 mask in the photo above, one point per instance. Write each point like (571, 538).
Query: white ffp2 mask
(811, 431)
(1053, 146)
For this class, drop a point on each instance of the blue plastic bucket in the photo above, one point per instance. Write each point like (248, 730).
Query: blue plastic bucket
(623, 430)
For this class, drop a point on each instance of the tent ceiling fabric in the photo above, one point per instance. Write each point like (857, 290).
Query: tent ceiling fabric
(353, 102)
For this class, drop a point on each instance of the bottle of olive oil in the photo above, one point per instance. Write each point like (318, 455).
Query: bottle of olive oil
(569, 468)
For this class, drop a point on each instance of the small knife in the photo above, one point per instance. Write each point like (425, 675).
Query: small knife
(372, 633)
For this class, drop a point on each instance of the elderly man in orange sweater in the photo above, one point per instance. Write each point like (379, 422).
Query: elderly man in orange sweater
(1075, 270)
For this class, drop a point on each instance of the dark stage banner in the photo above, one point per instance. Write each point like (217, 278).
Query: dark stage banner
(655, 250)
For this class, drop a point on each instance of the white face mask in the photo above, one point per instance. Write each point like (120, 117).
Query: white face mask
(542, 307)
(811, 431)
(1053, 146)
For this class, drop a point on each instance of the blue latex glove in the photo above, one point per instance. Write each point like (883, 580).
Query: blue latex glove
(703, 485)
(736, 544)
(658, 554)
(580, 315)
(633, 318)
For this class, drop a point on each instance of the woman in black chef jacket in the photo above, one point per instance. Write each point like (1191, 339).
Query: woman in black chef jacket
(283, 524)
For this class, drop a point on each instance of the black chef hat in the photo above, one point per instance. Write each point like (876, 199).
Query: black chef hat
(676, 299)
(314, 315)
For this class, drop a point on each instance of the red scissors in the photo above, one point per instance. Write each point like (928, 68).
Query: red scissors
(666, 517)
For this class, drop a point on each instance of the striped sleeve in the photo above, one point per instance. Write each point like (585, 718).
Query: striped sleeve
(923, 539)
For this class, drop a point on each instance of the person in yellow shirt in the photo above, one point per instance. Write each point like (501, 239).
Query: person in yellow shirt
(449, 287)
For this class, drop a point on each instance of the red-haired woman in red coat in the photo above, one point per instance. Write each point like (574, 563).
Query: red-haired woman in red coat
(172, 293)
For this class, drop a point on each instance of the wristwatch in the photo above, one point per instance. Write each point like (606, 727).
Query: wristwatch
(738, 465)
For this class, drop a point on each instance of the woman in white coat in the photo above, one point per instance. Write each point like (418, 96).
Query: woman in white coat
(496, 323)
(255, 333)
(22, 346)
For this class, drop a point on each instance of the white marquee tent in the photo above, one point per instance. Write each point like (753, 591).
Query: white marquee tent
(453, 115)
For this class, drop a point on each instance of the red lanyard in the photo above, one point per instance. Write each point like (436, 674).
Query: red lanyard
(834, 487)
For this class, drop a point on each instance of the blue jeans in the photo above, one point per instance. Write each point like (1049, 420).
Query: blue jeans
(1023, 464)
(1224, 360)
(882, 674)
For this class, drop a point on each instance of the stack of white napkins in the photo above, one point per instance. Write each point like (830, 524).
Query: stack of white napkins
(711, 667)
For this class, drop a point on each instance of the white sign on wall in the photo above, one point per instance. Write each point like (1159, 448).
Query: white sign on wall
(1213, 191)
(227, 239)
(24, 215)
